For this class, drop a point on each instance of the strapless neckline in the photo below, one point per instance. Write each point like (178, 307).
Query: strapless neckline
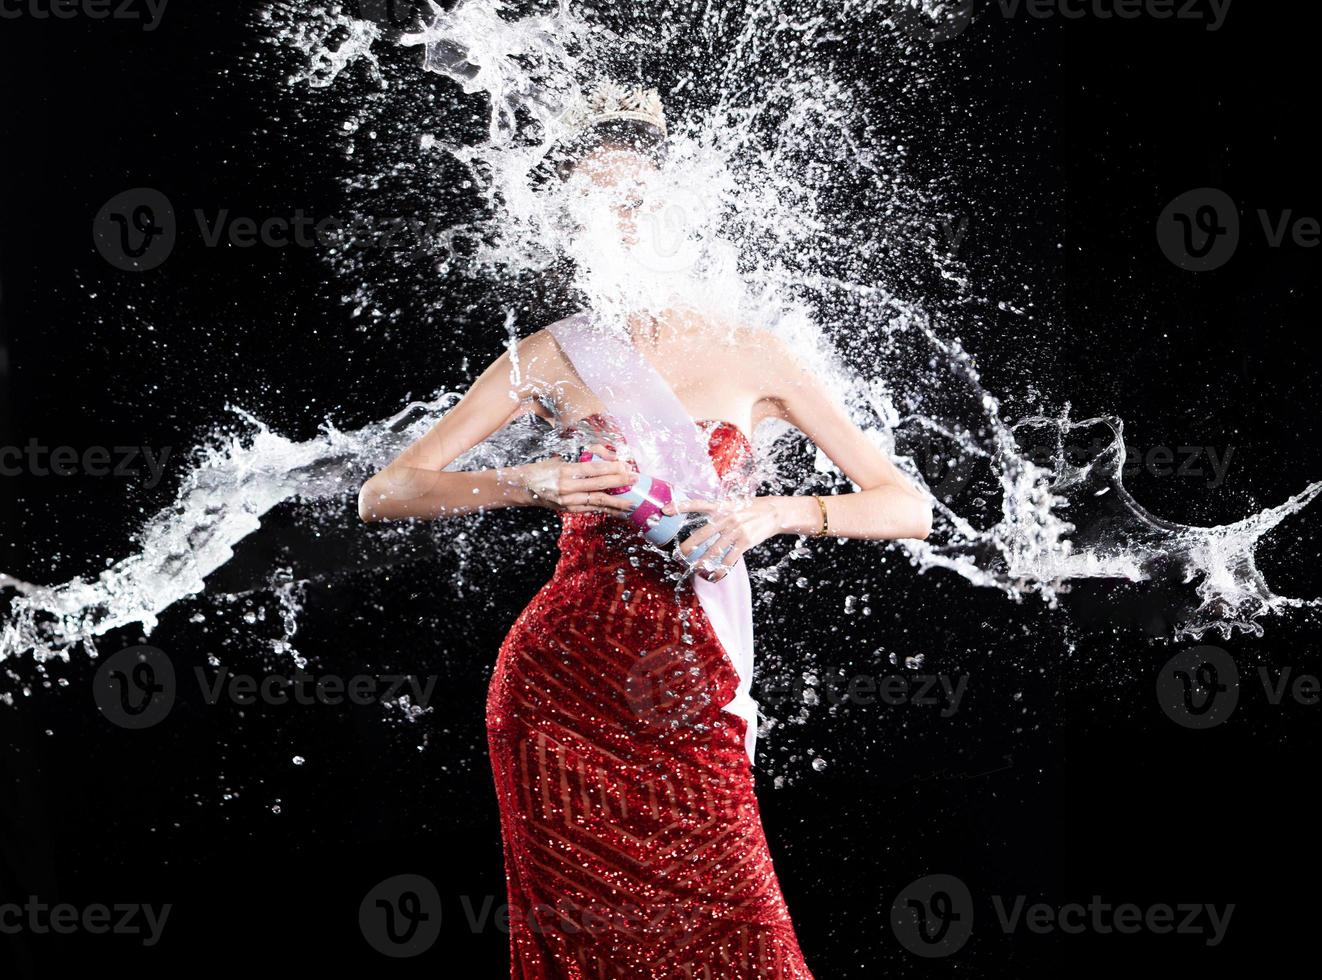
(718, 423)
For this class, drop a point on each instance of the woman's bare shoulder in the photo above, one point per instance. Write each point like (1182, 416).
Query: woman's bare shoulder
(540, 341)
(714, 331)
(761, 349)
(539, 354)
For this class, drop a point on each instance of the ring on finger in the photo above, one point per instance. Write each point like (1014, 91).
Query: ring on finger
(696, 554)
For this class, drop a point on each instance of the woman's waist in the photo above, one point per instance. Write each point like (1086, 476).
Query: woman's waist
(609, 546)
(610, 575)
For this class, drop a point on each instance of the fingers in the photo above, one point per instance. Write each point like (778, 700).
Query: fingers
(582, 485)
(586, 509)
(599, 467)
(595, 502)
(725, 540)
(589, 477)
(614, 481)
(719, 569)
(694, 541)
(691, 507)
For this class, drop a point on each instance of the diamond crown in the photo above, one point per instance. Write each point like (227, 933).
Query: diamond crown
(610, 100)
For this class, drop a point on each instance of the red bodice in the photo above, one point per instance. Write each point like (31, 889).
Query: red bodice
(588, 540)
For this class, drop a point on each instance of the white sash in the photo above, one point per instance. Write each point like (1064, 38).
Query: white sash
(667, 443)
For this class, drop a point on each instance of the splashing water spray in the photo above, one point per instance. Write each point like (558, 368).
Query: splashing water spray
(768, 213)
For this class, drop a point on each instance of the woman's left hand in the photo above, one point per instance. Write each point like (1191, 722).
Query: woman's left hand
(737, 524)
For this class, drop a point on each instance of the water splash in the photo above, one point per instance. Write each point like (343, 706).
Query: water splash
(224, 499)
(780, 198)
(330, 40)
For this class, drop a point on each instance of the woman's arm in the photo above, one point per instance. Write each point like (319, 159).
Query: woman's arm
(416, 485)
(886, 506)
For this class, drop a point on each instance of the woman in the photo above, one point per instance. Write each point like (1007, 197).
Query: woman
(619, 721)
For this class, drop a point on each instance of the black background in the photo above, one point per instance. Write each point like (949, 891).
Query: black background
(1060, 780)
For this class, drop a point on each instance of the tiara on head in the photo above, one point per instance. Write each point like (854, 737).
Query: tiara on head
(610, 101)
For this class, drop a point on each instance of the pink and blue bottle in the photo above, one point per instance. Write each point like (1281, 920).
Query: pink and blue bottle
(648, 495)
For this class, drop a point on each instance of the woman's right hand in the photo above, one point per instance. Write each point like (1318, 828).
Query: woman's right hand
(579, 488)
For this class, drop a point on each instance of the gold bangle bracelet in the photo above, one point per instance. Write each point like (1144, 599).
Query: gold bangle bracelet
(826, 523)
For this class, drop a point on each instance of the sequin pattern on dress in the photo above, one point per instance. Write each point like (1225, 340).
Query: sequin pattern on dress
(633, 842)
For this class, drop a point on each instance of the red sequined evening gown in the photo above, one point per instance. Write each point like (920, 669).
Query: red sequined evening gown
(633, 843)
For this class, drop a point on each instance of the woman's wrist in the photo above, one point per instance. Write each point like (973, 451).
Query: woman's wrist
(513, 486)
(798, 515)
